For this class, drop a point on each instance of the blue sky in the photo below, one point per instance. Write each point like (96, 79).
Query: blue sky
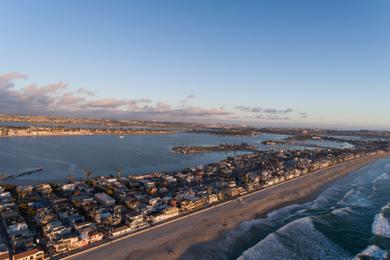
(293, 63)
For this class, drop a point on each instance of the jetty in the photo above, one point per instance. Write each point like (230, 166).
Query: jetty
(25, 173)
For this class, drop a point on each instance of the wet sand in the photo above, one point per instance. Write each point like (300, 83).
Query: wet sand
(175, 239)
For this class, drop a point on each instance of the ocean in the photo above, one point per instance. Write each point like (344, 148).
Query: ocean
(349, 220)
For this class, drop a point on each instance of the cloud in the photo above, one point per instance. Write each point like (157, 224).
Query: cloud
(59, 98)
(249, 109)
(34, 90)
(70, 98)
(275, 111)
(266, 113)
(272, 117)
(85, 92)
(263, 110)
(201, 112)
(303, 115)
(162, 107)
(106, 103)
(277, 118)
(144, 100)
(185, 102)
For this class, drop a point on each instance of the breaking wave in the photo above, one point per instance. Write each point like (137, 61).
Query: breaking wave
(341, 212)
(244, 227)
(346, 221)
(382, 177)
(381, 225)
(284, 211)
(296, 240)
(235, 234)
(355, 197)
(373, 252)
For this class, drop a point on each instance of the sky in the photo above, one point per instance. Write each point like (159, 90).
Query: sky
(261, 63)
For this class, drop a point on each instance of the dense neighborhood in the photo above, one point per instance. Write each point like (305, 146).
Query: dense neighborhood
(15, 131)
(55, 219)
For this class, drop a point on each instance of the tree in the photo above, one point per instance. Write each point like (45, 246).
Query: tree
(110, 192)
(88, 173)
(71, 178)
(2, 177)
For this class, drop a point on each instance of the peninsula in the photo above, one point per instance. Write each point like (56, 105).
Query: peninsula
(214, 148)
(177, 238)
(58, 220)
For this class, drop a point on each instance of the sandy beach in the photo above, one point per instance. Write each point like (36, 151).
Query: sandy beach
(174, 240)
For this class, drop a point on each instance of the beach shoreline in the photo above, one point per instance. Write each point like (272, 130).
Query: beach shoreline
(176, 238)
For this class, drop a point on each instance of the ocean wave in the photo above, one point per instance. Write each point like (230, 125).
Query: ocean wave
(355, 197)
(373, 252)
(319, 202)
(385, 207)
(341, 212)
(381, 226)
(328, 197)
(296, 240)
(324, 200)
(285, 211)
(382, 177)
(242, 229)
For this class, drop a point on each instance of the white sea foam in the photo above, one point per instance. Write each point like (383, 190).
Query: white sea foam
(341, 212)
(283, 211)
(382, 177)
(242, 229)
(296, 240)
(374, 252)
(327, 197)
(347, 195)
(381, 226)
(355, 197)
(321, 201)
(385, 207)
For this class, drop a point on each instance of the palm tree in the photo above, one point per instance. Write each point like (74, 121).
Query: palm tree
(71, 178)
(88, 173)
(2, 177)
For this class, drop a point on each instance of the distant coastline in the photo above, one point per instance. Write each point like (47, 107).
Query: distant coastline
(36, 131)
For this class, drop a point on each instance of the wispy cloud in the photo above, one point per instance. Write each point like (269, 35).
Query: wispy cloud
(249, 109)
(271, 114)
(59, 98)
(303, 115)
(85, 92)
(276, 111)
(186, 101)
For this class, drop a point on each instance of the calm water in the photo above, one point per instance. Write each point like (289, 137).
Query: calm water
(349, 219)
(104, 155)
(62, 156)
